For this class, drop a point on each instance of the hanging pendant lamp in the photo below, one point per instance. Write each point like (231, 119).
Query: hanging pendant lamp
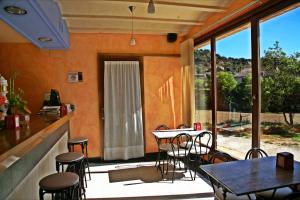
(151, 7)
(132, 39)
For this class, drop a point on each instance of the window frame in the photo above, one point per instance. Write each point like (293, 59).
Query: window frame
(267, 10)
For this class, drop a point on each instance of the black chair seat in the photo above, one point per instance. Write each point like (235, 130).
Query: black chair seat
(77, 140)
(69, 157)
(59, 181)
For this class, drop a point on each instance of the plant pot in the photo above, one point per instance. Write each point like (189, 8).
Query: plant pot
(12, 121)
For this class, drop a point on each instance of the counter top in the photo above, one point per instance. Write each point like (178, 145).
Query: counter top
(27, 154)
(16, 142)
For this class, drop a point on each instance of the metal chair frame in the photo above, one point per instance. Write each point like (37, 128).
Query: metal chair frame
(225, 157)
(256, 152)
(180, 126)
(160, 151)
(84, 150)
(77, 167)
(259, 153)
(64, 194)
(222, 156)
(180, 154)
(199, 144)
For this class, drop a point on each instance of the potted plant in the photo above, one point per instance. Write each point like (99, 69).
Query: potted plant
(16, 104)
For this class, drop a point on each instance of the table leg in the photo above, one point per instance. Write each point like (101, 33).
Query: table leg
(273, 194)
(249, 197)
(224, 194)
(158, 158)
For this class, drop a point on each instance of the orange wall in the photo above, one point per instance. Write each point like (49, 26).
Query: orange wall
(162, 83)
(41, 70)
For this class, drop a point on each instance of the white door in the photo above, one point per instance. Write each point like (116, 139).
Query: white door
(123, 123)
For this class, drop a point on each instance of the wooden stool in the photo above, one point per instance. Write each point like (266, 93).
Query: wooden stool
(75, 163)
(83, 142)
(61, 183)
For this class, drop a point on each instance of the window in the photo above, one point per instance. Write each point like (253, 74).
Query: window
(280, 84)
(234, 96)
(203, 85)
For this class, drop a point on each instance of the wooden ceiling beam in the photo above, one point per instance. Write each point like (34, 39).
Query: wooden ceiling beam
(124, 30)
(125, 18)
(182, 5)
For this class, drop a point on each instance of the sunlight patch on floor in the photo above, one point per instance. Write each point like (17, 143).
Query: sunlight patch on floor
(140, 180)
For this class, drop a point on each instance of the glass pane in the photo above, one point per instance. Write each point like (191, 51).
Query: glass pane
(280, 83)
(203, 86)
(234, 95)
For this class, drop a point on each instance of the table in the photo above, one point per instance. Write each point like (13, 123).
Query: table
(244, 177)
(27, 154)
(170, 133)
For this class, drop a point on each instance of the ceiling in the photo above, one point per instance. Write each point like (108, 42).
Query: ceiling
(113, 16)
(9, 35)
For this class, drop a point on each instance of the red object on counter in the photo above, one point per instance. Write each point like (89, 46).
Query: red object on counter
(12, 121)
(63, 110)
(197, 126)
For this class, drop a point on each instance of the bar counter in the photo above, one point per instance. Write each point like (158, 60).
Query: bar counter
(28, 154)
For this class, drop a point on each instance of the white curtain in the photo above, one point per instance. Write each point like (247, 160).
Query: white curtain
(123, 126)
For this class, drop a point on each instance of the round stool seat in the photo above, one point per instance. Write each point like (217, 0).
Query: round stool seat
(69, 157)
(59, 181)
(83, 143)
(77, 140)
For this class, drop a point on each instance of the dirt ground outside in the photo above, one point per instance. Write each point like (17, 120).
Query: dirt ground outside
(238, 146)
(204, 116)
(235, 139)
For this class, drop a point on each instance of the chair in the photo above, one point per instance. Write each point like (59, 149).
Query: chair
(220, 157)
(163, 146)
(83, 143)
(180, 126)
(62, 185)
(202, 145)
(256, 152)
(276, 194)
(180, 154)
(221, 194)
(75, 163)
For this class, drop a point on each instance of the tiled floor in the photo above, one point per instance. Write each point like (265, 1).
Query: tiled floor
(141, 180)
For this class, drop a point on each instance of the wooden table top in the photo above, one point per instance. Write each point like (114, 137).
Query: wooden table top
(249, 176)
(13, 139)
(170, 133)
(9, 138)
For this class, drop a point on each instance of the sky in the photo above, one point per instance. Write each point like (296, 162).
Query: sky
(284, 28)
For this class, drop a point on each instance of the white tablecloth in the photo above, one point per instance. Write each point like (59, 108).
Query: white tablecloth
(161, 134)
